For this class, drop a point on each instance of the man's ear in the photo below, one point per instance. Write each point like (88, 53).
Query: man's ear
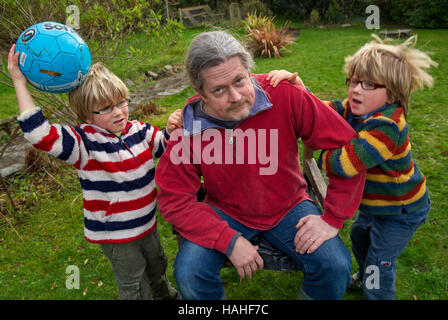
(201, 94)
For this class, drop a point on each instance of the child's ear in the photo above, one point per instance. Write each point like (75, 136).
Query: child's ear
(389, 99)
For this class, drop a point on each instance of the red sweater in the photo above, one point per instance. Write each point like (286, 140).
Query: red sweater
(251, 189)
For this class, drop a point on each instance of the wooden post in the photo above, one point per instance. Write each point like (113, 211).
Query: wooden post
(234, 12)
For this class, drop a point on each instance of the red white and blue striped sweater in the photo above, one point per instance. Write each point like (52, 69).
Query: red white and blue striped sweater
(116, 172)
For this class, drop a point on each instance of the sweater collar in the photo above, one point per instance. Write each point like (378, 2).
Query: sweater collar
(379, 110)
(96, 129)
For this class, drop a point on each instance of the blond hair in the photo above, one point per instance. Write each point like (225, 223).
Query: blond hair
(400, 68)
(100, 88)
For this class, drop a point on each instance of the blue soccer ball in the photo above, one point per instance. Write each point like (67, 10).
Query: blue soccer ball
(53, 57)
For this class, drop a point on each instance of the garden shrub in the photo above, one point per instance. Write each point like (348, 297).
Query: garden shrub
(264, 39)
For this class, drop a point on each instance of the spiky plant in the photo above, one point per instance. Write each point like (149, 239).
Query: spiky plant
(267, 40)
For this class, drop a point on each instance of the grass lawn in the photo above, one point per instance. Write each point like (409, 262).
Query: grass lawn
(50, 219)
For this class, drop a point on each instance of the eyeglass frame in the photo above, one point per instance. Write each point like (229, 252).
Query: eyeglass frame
(118, 105)
(348, 82)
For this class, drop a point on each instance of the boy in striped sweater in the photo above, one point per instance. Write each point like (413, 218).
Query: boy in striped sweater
(395, 199)
(114, 159)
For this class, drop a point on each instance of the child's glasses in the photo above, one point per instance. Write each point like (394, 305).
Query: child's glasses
(109, 109)
(365, 84)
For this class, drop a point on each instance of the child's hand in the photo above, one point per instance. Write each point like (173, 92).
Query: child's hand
(13, 66)
(278, 75)
(174, 121)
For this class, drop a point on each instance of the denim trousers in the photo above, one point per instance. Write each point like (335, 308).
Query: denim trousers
(377, 241)
(326, 270)
(139, 267)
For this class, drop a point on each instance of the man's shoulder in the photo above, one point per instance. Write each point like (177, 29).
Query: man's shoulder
(283, 89)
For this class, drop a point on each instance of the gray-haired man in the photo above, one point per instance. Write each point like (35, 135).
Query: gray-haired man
(229, 126)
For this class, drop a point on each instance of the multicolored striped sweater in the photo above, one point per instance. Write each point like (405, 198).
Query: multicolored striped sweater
(116, 172)
(393, 180)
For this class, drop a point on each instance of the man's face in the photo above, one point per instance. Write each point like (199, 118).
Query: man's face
(227, 93)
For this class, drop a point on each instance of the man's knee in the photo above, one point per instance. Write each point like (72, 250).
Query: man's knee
(183, 272)
(335, 260)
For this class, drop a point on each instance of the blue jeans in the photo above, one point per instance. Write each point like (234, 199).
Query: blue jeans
(326, 271)
(377, 241)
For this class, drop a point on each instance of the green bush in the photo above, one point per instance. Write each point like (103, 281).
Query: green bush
(334, 13)
(99, 19)
(416, 13)
(263, 38)
(314, 17)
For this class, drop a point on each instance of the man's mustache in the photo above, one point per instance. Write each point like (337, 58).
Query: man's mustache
(240, 103)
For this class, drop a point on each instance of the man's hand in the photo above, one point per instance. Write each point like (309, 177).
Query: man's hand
(313, 231)
(245, 258)
(174, 121)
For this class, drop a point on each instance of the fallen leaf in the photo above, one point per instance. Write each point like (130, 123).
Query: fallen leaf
(84, 293)
(85, 261)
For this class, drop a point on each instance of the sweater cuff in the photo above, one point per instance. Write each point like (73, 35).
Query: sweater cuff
(333, 220)
(28, 113)
(224, 240)
(232, 244)
(31, 119)
(166, 134)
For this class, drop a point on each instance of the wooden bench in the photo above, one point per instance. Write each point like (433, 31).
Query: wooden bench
(274, 259)
(197, 15)
(396, 33)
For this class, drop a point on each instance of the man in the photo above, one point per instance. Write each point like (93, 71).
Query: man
(240, 136)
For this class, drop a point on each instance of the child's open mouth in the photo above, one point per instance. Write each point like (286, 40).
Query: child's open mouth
(356, 101)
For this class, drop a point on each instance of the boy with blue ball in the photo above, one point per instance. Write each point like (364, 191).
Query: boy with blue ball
(115, 161)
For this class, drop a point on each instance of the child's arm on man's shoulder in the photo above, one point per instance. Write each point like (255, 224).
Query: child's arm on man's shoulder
(278, 75)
